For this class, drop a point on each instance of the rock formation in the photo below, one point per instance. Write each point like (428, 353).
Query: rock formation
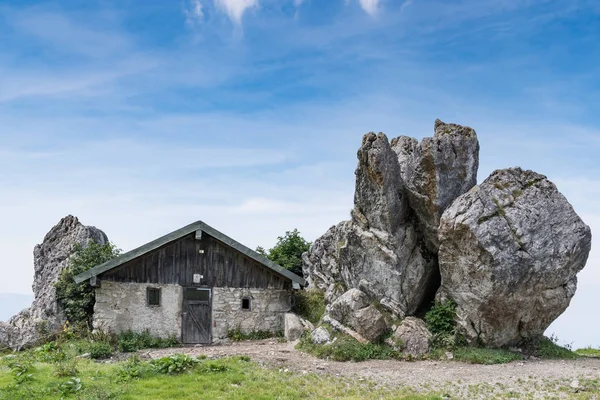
(50, 258)
(388, 249)
(510, 250)
(507, 251)
(411, 337)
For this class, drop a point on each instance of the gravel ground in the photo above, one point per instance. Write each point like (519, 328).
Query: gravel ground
(524, 379)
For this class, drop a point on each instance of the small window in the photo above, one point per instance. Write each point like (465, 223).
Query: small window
(197, 294)
(246, 303)
(153, 296)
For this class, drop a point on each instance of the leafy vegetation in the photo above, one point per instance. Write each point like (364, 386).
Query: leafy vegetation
(549, 348)
(237, 335)
(129, 341)
(174, 364)
(440, 319)
(309, 304)
(346, 348)
(288, 251)
(77, 300)
(588, 352)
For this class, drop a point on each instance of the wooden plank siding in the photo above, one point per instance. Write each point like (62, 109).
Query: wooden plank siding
(177, 262)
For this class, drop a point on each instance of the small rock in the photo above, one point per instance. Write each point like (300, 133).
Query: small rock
(85, 355)
(320, 336)
(449, 355)
(575, 384)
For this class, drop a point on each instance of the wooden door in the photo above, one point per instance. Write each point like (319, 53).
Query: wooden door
(196, 321)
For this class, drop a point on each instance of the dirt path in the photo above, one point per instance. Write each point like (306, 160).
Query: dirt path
(524, 379)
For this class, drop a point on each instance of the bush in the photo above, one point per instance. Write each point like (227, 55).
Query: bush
(50, 353)
(174, 364)
(309, 304)
(70, 386)
(22, 370)
(440, 319)
(237, 335)
(130, 369)
(129, 341)
(77, 300)
(100, 350)
(346, 348)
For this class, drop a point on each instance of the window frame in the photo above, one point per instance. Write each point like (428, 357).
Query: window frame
(153, 289)
(249, 299)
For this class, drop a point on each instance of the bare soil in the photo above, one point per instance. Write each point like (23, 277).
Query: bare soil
(522, 379)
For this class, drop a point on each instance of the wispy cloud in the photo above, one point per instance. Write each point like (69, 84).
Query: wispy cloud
(235, 9)
(370, 6)
(194, 12)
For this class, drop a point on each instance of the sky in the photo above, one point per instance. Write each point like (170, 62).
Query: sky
(141, 117)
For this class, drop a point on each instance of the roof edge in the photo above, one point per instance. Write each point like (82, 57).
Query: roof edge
(179, 233)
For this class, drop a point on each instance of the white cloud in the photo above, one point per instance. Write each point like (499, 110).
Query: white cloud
(298, 3)
(235, 9)
(370, 6)
(194, 12)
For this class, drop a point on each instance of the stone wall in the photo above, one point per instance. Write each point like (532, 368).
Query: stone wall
(122, 306)
(268, 307)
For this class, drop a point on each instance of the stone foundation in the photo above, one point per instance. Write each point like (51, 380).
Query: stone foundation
(122, 306)
(268, 307)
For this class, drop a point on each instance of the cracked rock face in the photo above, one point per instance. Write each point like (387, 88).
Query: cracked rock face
(436, 171)
(509, 253)
(388, 249)
(50, 258)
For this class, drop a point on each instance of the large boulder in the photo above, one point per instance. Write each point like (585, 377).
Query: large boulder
(411, 337)
(50, 258)
(388, 249)
(352, 309)
(509, 253)
(436, 171)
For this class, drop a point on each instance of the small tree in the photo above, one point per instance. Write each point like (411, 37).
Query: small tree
(77, 300)
(288, 251)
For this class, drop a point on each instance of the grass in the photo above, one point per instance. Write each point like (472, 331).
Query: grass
(228, 378)
(475, 355)
(588, 352)
(346, 348)
(237, 335)
(548, 348)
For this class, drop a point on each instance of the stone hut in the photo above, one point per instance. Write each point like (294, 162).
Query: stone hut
(195, 283)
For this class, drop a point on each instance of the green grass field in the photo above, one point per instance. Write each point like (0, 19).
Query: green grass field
(229, 378)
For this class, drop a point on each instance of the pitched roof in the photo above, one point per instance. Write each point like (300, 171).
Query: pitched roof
(179, 233)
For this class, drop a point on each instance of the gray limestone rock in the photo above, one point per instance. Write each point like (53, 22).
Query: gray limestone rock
(436, 171)
(354, 310)
(411, 337)
(379, 250)
(320, 336)
(292, 327)
(509, 253)
(50, 258)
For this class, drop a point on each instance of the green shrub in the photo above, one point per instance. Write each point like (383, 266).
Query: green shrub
(440, 319)
(70, 386)
(50, 353)
(77, 300)
(100, 350)
(130, 369)
(288, 251)
(129, 341)
(66, 368)
(588, 352)
(174, 364)
(237, 335)
(309, 304)
(346, 348)
(21, 369)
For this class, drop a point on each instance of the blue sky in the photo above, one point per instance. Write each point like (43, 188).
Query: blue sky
(140, 117)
